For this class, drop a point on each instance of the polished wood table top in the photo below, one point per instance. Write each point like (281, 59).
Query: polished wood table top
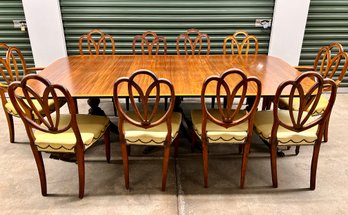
(94, 76)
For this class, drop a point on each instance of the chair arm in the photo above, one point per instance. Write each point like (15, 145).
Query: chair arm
(304, 68)
(32, 69)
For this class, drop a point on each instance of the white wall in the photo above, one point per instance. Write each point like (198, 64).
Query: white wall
(288, 27)
(45, 28)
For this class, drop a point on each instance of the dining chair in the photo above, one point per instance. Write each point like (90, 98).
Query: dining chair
(297, 127)
(241, 43)
(149, 43)
(193, 42)
(97, 42)
(330, 62)
(58, 132)
(12, 68)
(228, 124)
(145, 124)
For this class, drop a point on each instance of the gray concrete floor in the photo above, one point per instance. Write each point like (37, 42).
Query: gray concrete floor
(105, 192)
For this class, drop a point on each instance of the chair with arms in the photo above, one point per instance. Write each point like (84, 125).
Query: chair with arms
(145, 124)
(297, 126)
(12, 68)
(330, 62)
(241, 43)
(193, 42)
(150, 44)
(229, 125)
(58, 133)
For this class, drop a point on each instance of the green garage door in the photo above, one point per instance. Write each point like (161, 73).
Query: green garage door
(327, 22)
(9, 11)
(169, 18)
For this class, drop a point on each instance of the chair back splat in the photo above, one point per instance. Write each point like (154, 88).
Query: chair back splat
(241, 43)
(98, 43)
(193, 42)
(150, 43)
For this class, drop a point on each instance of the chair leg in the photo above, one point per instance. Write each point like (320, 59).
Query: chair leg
(205, 162)
(176, 145)
(297, 150)
(314, 165)
(165, 166)
(76, 105)
(326, 131)
(80, 158)
(114, 107)
(125, 164)
(127, 103)
(246, 150)
(194, 140)
(240, 148)
(107, 144)
(274, 165)
(9, 118)
(128, 150)
(41, 169)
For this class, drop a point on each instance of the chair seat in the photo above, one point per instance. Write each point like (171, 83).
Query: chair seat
(11, 110)
(152, 136)
(218, 134)
(91, 128)
(322, 104)
(263, 122)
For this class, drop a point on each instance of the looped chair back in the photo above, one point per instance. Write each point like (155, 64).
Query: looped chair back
(241, 43)
(330, 60)
(150, 43)
(28, 102)
(231, 113)
(309, 95)
(145, 109)
(194, 43)
(97, 43)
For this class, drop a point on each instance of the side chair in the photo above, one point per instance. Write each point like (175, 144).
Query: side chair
(145, 124)
(58, 133)
(241, 43)
(150, 43)
(228, 124)
(297, 127)
(193, 42)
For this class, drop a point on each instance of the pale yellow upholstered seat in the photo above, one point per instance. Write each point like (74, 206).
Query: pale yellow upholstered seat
(263, 122)
(135, 135)
(218, 134)
(320, 108)
(91, 129)
(11, 110)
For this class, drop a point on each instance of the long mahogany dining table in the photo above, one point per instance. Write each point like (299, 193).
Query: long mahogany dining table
(88, 76)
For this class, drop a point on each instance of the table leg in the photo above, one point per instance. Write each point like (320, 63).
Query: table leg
(96, 110)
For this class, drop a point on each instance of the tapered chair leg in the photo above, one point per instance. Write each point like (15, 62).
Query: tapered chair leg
(314, 165)
(107, 144)
(326, 132)
(80, 158)
(274, 165)
(9, 118)
(125, 164)
(297, 150)
(244, 164)
(165, 166)
(41, 169)
(205, 162)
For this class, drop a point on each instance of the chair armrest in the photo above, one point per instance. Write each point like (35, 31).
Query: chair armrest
(33, 69)
(304, 68)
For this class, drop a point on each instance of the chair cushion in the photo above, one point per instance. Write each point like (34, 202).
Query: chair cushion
(91, 128)
(11, 110)
(263, 122)
(152, 136)
(218, 134)
(322, 104)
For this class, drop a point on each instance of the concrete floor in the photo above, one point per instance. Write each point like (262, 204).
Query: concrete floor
(105, 192)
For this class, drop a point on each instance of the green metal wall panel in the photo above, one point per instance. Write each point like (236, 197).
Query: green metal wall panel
(169, 18)
(10, 10)
(327, 22)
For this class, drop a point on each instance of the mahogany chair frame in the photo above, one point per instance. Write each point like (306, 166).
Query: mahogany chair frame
(227, 116)
(145, 117)
(97, 47)
(243, 47)
(190, 45)
(307, 106)
(23, 103)
(149, 46)
(10, 69)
